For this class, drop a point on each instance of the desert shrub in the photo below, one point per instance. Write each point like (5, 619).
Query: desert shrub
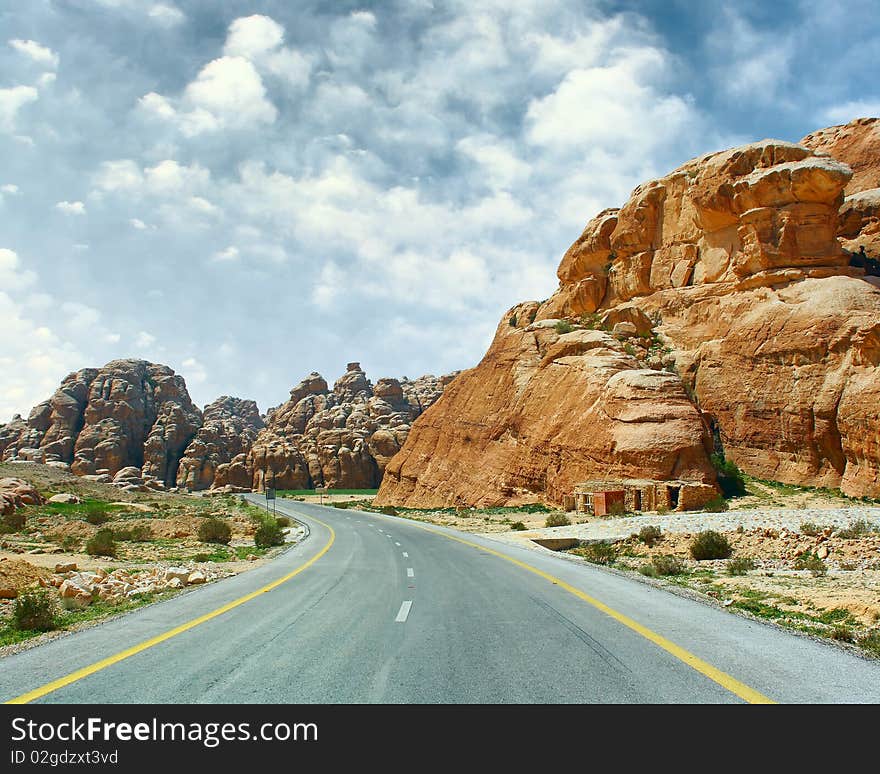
(283, 521)
(96, 517)
(617, 509)
(215, 531)
(388, 510)
(599, 553)
(666, 564)
(842, 634)
(564, 326)
(13, 522)
(709, 544)
(649, 570)
(137, 534)
(716, 505)
(557, 520)
(810, 529)
(629, 349)
(650, 535)
(856, 529)
(34, 610)
(871, 641)
(69, 542)
(268, 534)
(101, 544)
(512, 321)
(518, 526)
(740, 565)
(809, 561)
(730, 477)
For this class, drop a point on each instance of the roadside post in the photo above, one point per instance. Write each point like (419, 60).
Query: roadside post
(320, 490)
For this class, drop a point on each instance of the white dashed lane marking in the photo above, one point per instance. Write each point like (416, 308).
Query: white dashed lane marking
(409, 572)
(403, 613)
(406, 555)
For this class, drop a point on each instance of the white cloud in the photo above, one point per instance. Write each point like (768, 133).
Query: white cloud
(138, 224)
(122, 174)
(9, 188)
(167, 15)
(228, 93)
(144, 340)
(40, 54)
(202, 205)
(258, 39)
(847, 111)
(193, 371)
(11, 101)
(169, 176)
(71, 208)
(46, 80)
(251, 36)
(80, 317)
(230, 253)
(12, 275)
(498, 162)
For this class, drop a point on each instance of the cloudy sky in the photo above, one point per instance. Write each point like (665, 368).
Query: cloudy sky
(249, 191)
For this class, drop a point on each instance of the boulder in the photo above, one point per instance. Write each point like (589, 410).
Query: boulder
(64, 498)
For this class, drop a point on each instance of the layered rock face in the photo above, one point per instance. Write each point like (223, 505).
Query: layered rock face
(752, 310)
(339, 438)
(857, 144)
(130, 413)
(229, 430)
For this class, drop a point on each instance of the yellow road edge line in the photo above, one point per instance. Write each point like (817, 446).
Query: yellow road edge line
(723, 679)
(79, 674)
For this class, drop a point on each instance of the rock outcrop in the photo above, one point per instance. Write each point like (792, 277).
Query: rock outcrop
(229, 430)
(16, 493)
(339, 438)
(857, 144)
(130, 413)
(769, 339)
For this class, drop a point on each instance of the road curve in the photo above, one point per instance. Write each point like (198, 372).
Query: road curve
(377, 609)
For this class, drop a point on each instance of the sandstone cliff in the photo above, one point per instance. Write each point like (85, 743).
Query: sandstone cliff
(728, 275)
(101, 421)
(230, 428)
(339, 438)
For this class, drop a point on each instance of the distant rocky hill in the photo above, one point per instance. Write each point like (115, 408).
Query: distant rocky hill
(133, 422)
(715, 310)
(339, 438)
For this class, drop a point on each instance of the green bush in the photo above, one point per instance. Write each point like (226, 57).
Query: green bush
(599, 553)
(557, 520)
(810, 529)
(96, 517)
(650, 535)
(137, 534)
(740, 565)
(871, 642)
(730, 477)
(101, 544)
(710, 545)
(809, 561)
(665, 564)
(388, 510)
(268, 534)
(564, 326)
(13, 522)
(34, 610)
(283, 521)
(518, 526)
(213, 530)
(857, 529)
(512, 321)
(649, 570)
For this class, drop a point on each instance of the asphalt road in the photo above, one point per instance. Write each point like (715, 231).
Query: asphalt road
(393, 611)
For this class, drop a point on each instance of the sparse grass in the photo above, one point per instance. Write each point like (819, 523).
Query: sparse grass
(268, 534)
(557, 520)
(283, 521)
(213, 530)
(137, 534)
(648, 570)
(518, 526)
(101, 544)
(35, 610)
(810, 529)
(870, 642)
(740, 565)
(598, 553)
(388, 510)
(857, 529)
(564, 326)
(809, 561)
(709, 544)
(13, 522)
(650, 535)
(730, 477)
(716, 505)
(666, 564)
